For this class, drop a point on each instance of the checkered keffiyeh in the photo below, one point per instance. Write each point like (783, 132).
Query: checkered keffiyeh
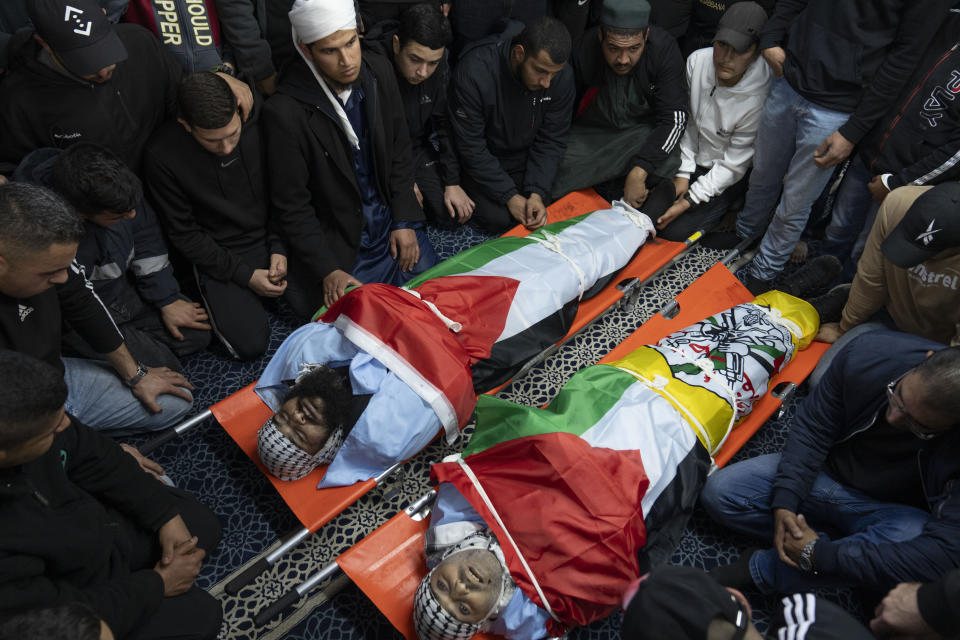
(432, 621)
(286, 460)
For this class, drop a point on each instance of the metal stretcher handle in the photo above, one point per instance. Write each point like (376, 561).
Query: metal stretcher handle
(175, 432)
(737, 251)
(249, 575)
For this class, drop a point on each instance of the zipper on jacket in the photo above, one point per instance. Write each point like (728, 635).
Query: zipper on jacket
(873, 420)
(125, 110)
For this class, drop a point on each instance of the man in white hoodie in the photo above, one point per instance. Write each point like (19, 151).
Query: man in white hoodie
(728, 87)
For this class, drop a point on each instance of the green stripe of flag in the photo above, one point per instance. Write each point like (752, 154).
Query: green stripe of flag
(478, 256)
(499, 420)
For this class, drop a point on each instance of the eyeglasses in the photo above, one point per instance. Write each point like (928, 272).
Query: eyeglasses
(909, 422)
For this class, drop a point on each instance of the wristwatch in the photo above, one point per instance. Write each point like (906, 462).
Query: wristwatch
(135, 379)
(806, 557)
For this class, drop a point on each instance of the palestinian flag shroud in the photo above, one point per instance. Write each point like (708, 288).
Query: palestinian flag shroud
(485, 302)
(571, 508)
(580, 485)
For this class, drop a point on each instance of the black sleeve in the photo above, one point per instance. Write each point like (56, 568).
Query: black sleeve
(775, 31)
(938, 603)
(449, 165)
(121, 602)
(82, 308)
(669, 101)
(548, 146)
(289, 176)
(814, 430)
(939, 166)
(241, 28)
(193, 241)
(919, 20)
(403, 202)
(468, 125)
(100, 467)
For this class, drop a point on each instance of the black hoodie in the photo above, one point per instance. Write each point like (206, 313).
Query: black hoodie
(213, 207)
(852, 56)
(424, 104)
(58, 541)
(44, 107)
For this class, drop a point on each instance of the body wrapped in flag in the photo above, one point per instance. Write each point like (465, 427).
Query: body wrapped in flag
(423, 351)
(583, 495)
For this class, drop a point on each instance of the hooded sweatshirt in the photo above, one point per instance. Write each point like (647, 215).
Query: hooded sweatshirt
(721, 133)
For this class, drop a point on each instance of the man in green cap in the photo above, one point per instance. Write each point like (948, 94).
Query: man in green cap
(632, 107)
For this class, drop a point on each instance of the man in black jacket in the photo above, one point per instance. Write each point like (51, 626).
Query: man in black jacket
(863, 493)
(40, 285)
(206, 174)
(512, 100)
(917, 142)
(80, 78)
(123, 254)
(633, 109)
(341, 174)
(417, 47)
(81, 521)
(840, 65)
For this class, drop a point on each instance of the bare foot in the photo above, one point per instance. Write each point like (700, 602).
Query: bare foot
(799, 253)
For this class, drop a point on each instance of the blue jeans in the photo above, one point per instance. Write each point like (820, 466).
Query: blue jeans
(853, 214)
(790, 131)
(99, 399)
(738, 497)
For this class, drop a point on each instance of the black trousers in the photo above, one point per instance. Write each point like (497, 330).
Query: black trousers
(236, 312)
(144, 333)
(194, 615)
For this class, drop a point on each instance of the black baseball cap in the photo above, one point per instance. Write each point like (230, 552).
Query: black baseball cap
(931, 225)
(79, 33)
(680, 603)
(740, 25)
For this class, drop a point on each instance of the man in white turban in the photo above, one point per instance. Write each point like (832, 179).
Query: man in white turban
(341, 170)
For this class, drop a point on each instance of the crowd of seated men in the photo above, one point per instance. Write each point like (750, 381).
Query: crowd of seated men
(169, 168)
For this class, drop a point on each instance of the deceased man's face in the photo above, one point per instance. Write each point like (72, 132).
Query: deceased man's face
(467, 584)
(300, 419)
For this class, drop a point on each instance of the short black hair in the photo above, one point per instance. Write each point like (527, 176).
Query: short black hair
(31, 393)
(546, 33)
(328, 386)
(622, 32)
(92, 179)
(425, 24)
(941, 380)
(71, 621)
(206, 100)
(33, 217)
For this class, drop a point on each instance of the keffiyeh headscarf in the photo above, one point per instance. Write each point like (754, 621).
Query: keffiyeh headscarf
(313, 20)
(433, 622)
(286, 460)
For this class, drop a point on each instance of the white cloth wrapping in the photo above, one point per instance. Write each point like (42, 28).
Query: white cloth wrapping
(313, 20)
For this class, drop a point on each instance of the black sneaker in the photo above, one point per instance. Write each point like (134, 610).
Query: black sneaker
(755, 285)
(830, 305)
(721, 240)
(816, 274)
(735, 575)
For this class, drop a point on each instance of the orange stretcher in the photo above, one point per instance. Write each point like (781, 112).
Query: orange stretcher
(389, 563)
(242, 413)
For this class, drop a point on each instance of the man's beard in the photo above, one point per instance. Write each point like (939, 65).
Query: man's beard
(338, 87)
